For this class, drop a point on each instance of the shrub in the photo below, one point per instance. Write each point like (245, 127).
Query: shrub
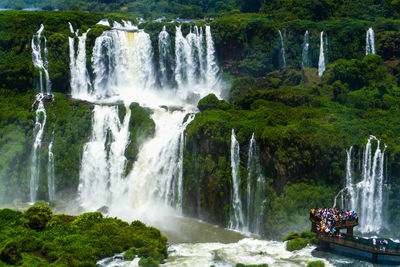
(296, 244)
(292, 235)
(38, 216)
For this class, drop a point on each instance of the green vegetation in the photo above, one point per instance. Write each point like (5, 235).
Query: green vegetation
(38, 237)
(302, 125)
(318, 263)
(297, 241)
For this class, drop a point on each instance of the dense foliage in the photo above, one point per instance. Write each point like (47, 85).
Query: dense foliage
(38, 237)
(303, 127)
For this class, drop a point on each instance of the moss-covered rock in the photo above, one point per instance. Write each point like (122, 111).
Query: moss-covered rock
(296, 244)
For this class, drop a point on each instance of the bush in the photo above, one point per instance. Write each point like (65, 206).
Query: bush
(38, 216)
(296, 244)
(212, 102)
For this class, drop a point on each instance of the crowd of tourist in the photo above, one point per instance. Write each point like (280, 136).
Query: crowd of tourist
(329, 217)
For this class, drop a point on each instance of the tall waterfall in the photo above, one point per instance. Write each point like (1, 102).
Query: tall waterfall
(35, 154)
(80, 81)
(255, 190)
(103, 160)
(282, 51)
(164, 46)
(321, 62)
(236, 220)
(50, 173)
(40, 62)
(367, 196)
(212, 77)
(306, 63)
(370, 42)
(124, 71)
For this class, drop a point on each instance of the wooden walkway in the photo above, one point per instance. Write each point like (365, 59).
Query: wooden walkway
(349, 241)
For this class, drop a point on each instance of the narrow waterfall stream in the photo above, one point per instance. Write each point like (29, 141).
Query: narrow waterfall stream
(370, 42)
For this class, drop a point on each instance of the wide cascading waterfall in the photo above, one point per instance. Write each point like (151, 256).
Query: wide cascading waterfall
(123, 71)
(255, 190)
(80, 82)
(367, 196)
(370, 42)
(236, 220)
(165, 62)
(282, 55)
(321, 62)
(305, 55)
(103, 160)
(50, 173)
(122, 63)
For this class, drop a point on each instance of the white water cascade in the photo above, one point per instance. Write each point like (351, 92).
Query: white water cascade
(40, 62)
(124, 71)
(236, 220)
(212, 77)
(282, 51)
(321, 62)
(367, 196)
(35, 154)
(255, 190)
(306, 63)
(50, 173)
(103, 160)
(164, 46)
(80, 82)
(370, 42)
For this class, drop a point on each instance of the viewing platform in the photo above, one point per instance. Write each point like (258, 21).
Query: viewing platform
(369, 245)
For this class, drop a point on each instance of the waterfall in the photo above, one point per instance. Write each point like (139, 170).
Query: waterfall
(50, 173)
(255, 190)
(124, 71)
(370, 42)
(103, 160)
(321, 62)
(122, 60)
(80, 81)
(35, 154)
(236, 221)
(180, 161)
(282, 51)
(367, 196)
(41, 61)
(305, 63)
(164, 47)
(212, 67)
